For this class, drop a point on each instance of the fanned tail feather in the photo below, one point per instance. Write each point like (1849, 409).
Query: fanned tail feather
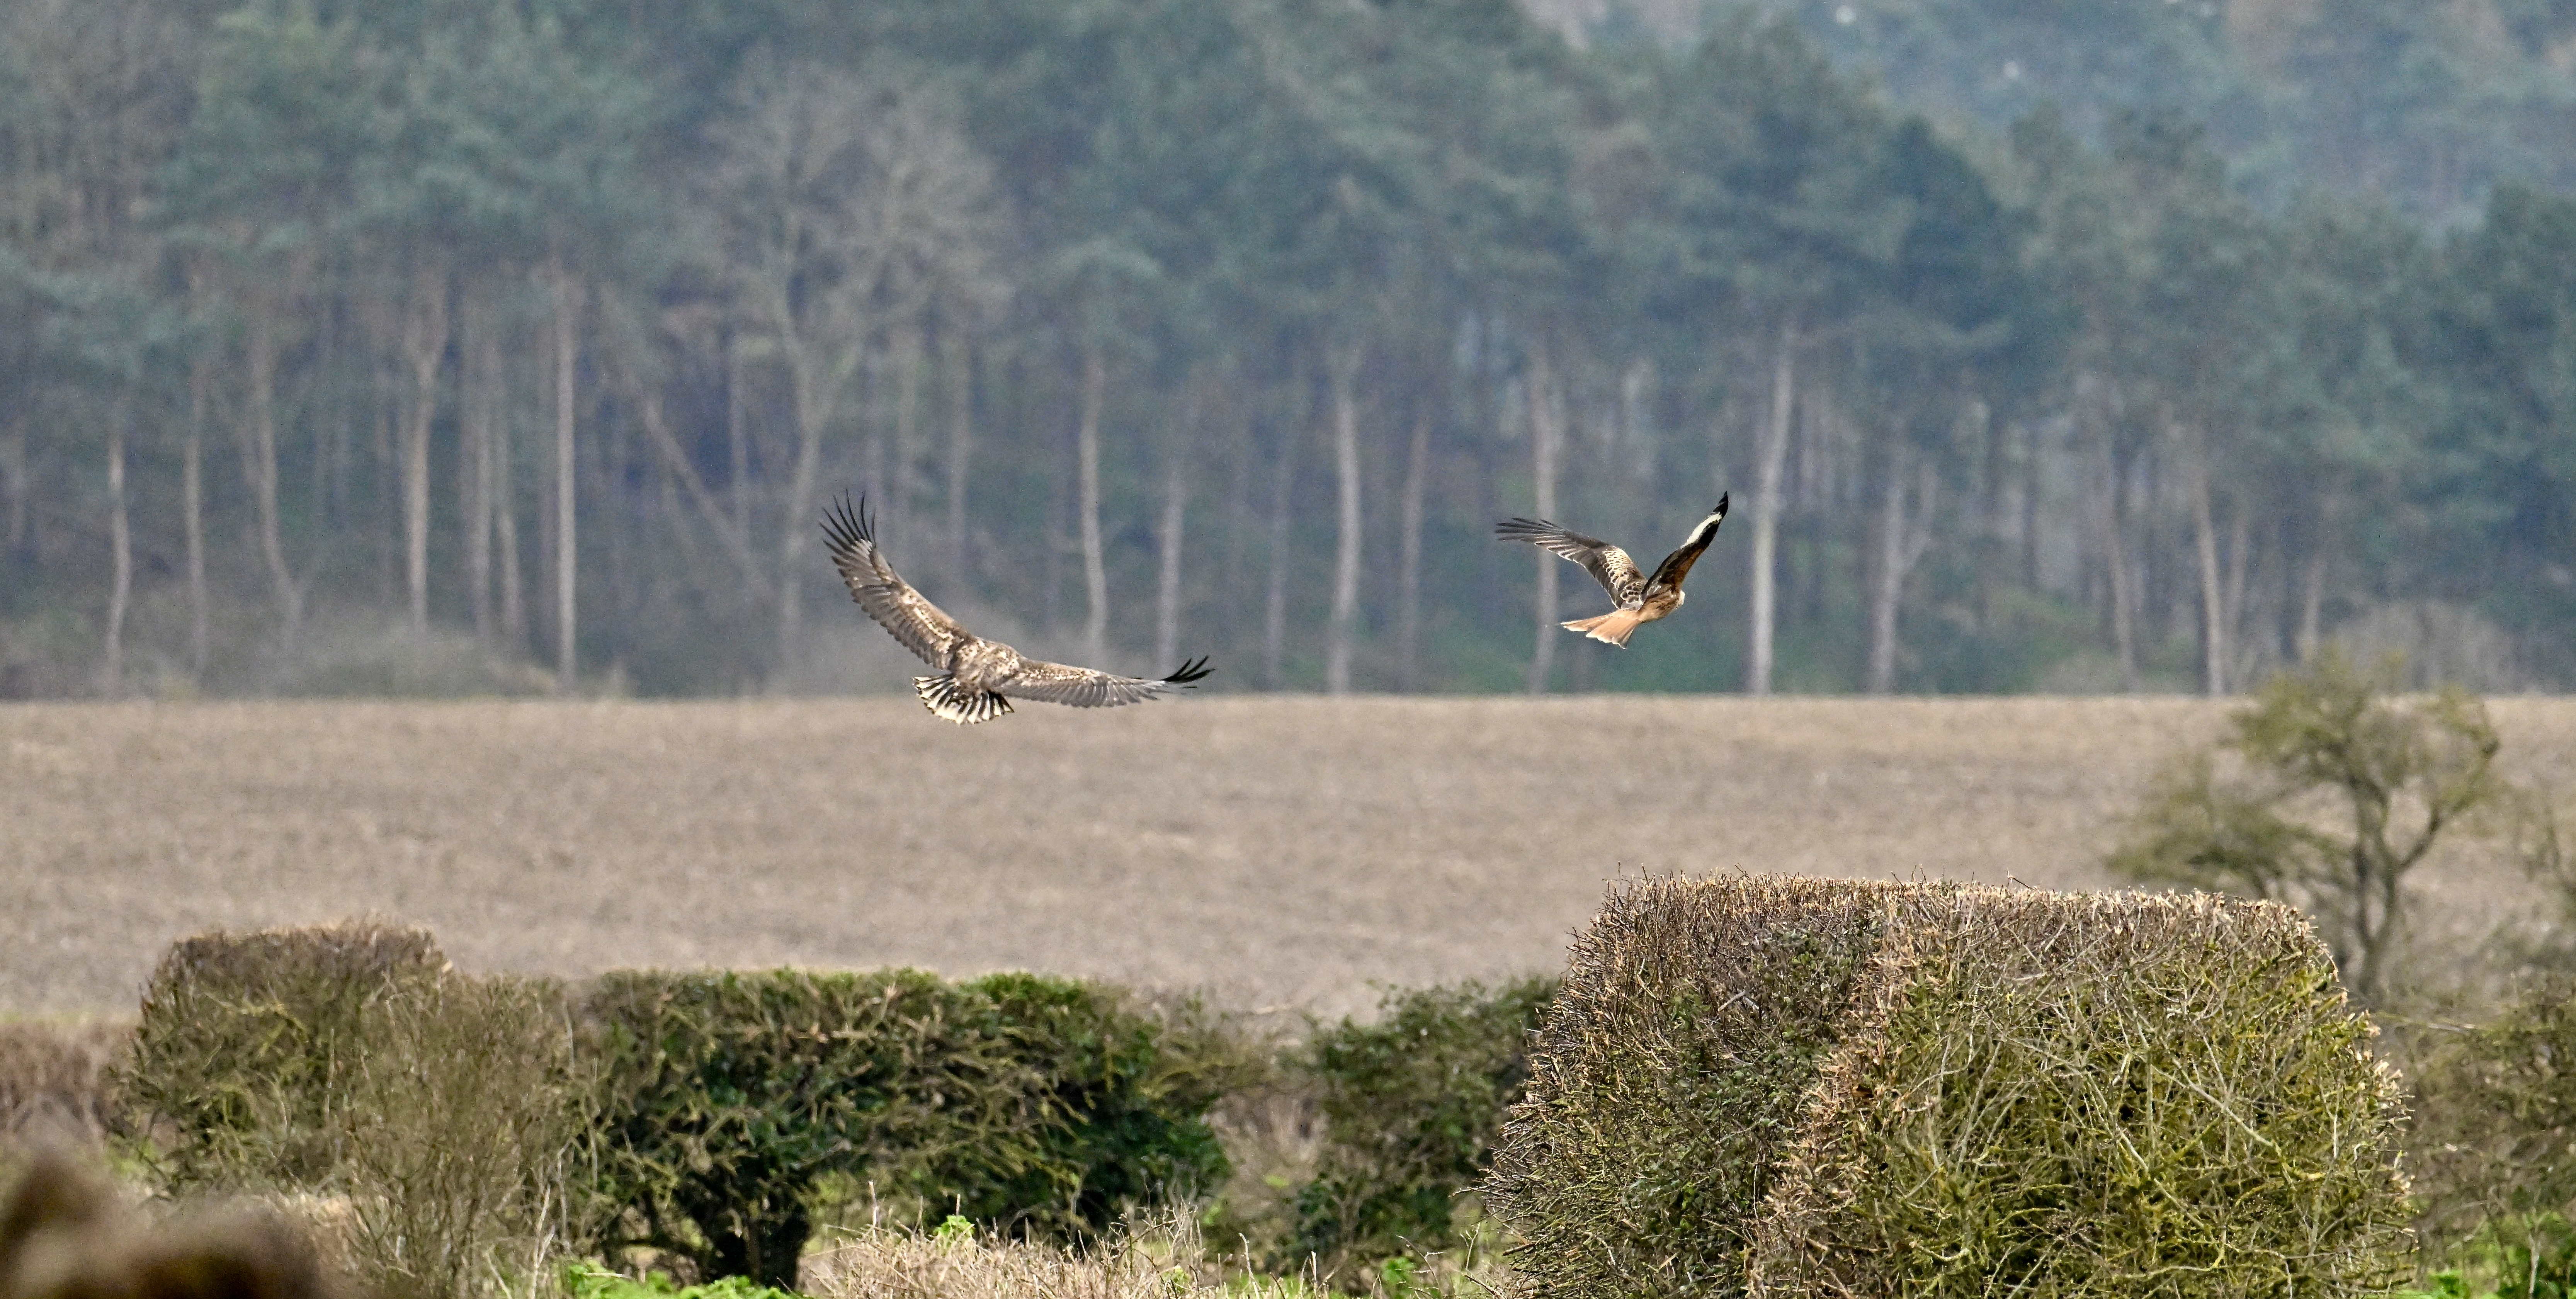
(948, 701)
(1614, 627)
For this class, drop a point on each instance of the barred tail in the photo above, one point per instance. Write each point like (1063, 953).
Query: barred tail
(948, 700)
(1614, 627)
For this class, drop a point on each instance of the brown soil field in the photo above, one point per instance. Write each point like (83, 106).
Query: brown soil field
(1277, 851)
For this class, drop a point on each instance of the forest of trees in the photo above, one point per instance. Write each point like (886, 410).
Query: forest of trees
(517, 345)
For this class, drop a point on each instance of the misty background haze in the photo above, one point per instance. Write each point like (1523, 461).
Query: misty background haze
(514, 346)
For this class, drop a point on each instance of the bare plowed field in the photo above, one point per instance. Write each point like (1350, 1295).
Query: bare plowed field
(1270, 850)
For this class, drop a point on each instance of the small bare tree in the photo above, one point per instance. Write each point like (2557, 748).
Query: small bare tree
(848, 201)
(2324, 795)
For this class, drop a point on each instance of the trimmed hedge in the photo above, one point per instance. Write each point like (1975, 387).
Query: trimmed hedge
(1034, 1105)
(729, 1097)
(1816, 1087)
(478, 1124)
(1125, 1090)
(1411, 1104)
(446, 1112)
(247, 1042)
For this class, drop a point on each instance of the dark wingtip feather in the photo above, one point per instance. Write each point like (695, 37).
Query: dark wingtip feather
(1519, 529)
(845, 528)
(1720, 511)
(1191, 670)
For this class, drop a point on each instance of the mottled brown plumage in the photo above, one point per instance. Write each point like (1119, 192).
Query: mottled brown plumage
(978, 678)
(1642, 599)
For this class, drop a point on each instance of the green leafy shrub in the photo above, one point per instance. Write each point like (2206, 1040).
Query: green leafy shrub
(1844, 1087)
(247, 1045)
(1033, 1105)
(1123, 1107)
(2324, 795)
(1411, 1104)
(728, 1098)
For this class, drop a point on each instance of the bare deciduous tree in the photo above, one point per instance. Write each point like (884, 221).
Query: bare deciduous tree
(847, 200)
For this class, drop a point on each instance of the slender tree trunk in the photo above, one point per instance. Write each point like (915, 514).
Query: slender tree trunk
(737, 444)
(646, 400)
(1176, 495)
(192, 507)
(1989, 536)
(505, 529)
(960, 369)
(1344, 628)
(2120, 575)
(120, 546)
(819, 383)
(257, 434)
(424, 345)
(909, 346)
(1274, 619)
(480, 353)
(567, 330)
(1887, 572)
(385, 421)
(2240, 564)
(2312, 598)
(1546, 432)
(13, 467)
(1773, 461)
(1902, 538)
(2213, 599)
(1095, 572)
(873, 473)
(1408, 613)
(2030, 466)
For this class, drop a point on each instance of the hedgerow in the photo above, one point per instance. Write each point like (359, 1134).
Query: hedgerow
(1666, 1078)
(1410, 1103)
(1802, 1087)
(1124, 1093)
(1030, 1104)
(248, 1043)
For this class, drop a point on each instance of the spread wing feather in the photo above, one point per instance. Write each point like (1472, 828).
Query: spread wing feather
(915, 622)
(1060, 683)
(1609, 565)
(1677, 565)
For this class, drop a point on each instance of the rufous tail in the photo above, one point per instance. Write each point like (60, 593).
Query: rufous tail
(1614, 627)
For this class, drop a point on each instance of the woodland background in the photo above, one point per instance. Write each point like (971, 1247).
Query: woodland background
(473, 346)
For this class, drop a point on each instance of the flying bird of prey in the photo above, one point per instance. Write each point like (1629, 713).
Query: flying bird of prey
(978, 678)
(1642, 599)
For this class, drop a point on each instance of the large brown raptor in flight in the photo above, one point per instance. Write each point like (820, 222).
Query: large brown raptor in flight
(1642, 599)
(978, 678)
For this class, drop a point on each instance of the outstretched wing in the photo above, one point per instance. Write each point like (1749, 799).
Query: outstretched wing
(1609, 565)
(917, 623)
(1057, 683)
(1677, 565)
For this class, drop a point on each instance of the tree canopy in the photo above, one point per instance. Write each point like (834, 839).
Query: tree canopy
(2178, 344)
